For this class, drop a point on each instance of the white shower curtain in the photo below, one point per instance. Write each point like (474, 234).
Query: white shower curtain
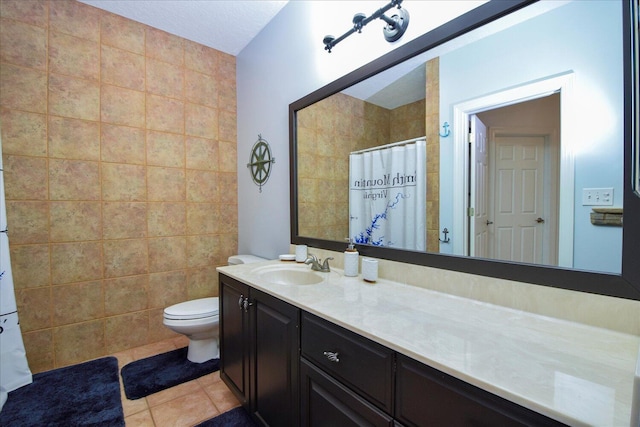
(14, 369)
(387, 196)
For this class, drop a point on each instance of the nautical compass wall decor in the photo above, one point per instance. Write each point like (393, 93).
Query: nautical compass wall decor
(260, 162)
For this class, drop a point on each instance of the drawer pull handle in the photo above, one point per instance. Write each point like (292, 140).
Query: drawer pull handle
(332, 356)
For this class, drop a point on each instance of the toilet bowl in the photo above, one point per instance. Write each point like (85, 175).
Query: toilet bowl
(197, 320)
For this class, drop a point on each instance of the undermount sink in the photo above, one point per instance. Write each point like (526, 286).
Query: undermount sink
(291, 275)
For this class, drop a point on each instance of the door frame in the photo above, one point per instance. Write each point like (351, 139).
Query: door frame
(563, 84)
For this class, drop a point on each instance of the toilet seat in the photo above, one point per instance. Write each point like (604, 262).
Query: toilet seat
(194, 309)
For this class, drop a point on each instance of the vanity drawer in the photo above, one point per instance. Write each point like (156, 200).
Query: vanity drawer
(357, 362)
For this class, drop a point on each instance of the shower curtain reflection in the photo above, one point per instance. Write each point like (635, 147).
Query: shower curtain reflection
(387, 195)
(14, 369)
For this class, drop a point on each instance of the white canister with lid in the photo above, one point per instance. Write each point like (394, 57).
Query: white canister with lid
(301, 253)
(370, 269)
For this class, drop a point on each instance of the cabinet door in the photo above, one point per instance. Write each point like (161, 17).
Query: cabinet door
(428, 397)
(275, 369)
(234, 338)
(327, 403)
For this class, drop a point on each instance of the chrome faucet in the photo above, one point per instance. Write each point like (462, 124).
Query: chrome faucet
(316, 263)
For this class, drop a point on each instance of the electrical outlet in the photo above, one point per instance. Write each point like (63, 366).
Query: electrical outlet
(597, 196)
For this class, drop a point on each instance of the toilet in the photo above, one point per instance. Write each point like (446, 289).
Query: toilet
(198, 320)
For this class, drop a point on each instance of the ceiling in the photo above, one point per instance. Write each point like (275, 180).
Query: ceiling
(225, 25)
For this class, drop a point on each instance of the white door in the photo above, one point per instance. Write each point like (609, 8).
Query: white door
(517, 209)
(479, 244)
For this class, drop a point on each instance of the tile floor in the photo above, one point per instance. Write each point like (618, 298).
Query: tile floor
(184, 405)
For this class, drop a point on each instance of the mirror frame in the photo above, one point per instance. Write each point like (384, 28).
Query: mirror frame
(625, 285)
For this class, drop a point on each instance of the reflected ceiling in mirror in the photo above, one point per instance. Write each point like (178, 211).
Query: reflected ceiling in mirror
(494, 74)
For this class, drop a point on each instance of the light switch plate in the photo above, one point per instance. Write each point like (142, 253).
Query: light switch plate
(597, 196)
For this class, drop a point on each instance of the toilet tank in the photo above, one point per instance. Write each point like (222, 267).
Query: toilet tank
(244, 259)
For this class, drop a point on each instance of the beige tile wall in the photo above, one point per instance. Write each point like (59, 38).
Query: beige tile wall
(433, 130)
(407, 122)
(327, 132)
(119, 150)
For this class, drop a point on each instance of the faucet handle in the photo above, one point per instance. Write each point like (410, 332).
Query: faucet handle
(325, 265)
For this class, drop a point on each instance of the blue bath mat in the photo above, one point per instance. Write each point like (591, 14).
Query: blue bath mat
(236, 417)
(153, 374)
(87, 394)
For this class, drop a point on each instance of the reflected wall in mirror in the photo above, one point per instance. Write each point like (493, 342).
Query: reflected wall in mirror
(328, 131)
(544, 100)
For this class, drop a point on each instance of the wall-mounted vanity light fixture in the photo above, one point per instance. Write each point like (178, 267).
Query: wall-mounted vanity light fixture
(396, 25)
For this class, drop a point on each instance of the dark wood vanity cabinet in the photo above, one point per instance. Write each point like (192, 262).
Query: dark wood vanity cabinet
(289, 368)
(349, 380)
(259, 352)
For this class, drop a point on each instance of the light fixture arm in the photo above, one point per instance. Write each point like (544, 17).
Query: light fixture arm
(388, 20)
(395, 28)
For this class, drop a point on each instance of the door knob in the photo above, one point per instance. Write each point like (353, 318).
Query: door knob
(489, 222)
(539, 220)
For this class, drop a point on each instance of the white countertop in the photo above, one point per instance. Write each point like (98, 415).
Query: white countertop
(577, 374)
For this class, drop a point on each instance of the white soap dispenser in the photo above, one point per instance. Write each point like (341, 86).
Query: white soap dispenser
(351, 260)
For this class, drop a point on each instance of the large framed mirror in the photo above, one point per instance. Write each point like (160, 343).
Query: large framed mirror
(523, 118)
(635, 87)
